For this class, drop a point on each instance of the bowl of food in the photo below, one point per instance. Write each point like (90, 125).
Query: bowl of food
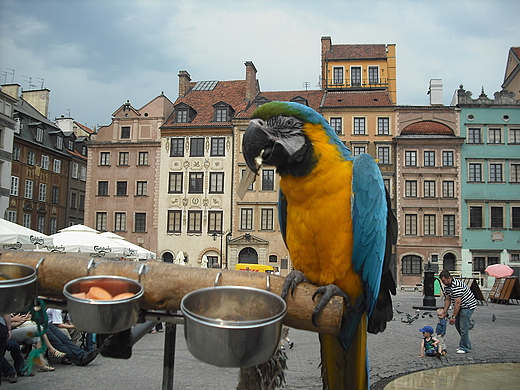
(17, 287)
(103, 304)
(232, 326)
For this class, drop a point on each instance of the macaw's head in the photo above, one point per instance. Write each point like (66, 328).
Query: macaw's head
(277, 135)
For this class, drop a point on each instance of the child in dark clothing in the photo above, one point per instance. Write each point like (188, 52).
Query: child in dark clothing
(429, 345)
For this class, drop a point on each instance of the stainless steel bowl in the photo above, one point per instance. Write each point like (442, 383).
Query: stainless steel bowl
(232, 326)
(18, 292)
(103, 316)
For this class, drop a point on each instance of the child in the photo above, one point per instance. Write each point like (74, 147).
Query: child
(429, 345)
(440, 330)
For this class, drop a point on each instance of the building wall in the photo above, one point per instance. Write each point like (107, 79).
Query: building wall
(7, 125)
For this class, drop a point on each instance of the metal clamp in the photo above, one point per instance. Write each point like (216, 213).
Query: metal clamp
(38, 265)
(268, 281)
(91, 264)
(217, 279)
(141, 271)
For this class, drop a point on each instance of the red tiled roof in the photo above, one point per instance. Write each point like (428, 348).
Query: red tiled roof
(427, 128)
(516, 50)
(314, 98)
(357, 99)
(84, 128)
(356, 52)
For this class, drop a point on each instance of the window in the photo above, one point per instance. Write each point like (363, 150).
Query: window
(359, 150)
(514, 258)
(83, 173)
(217, 146)
(45, 162)
(355, 76)
(42, 194)
(196, 183)
(337, 125)
(410, 224)
(174, 221)
(71, 145)
(75, 170)
(30, 157)
(337, 77)
(181, 116)
(250, 188)
(410, 188)
(429, 224)
(15, 182)
(267, 179)
(104, 158)
(221, 114)
(194, 221)
(515, 217)
(121, 188)
(57, 166)
(383, 126)
(448, 189)
(475, 217)
(447, 158)
(81, 205)
(267, 221)
(84, 150)
(474, 136)
(246, 219)
(495, 136)
(359, 126)
(73, 198)
(373, 75)
(142, 158)
(17, 152)
(410, 158)
(412, 265)
(215, 221)
(11, 216)
(475, 172)
(59, 143)
(383, 154)
(55, 195)
(197, 147)
(125, 132)
(140, 222)
(429, 159)
(495, 173)
(141, 188)
(177, 147)
(429, 189)
(175, 184)
(120, 222)
(101, 221)
(216, 182)
(387, 183)
(514, 136)
(27, 220)
(273, 258)
(514, 171)
(54, 226)
(448, 222)
(39, 135)
(102, 188)
(28, 189)
(124, 158)
(497, 217)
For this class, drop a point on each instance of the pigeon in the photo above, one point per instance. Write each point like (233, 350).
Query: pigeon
(493, 318)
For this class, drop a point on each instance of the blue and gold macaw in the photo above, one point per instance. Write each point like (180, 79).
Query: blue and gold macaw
(336, 219)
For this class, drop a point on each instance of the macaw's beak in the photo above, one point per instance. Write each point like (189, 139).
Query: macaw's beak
(260, 147)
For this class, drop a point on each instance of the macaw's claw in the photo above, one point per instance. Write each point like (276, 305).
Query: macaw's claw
(326, 292)
(291, 281)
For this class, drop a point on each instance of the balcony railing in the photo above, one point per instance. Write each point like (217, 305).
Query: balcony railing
(362, 84)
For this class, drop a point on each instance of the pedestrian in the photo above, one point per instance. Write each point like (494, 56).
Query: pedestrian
(285, 336)
(429, 344)
(440, 329)
(5, 335)
(464, 303)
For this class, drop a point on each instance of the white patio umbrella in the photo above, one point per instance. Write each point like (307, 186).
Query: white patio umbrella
(82, 239)
(133, 250)
(17, 237)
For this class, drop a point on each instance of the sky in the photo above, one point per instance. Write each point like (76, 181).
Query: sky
(95, 55)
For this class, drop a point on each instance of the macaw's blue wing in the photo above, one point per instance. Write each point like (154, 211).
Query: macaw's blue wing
(369, 214)
(282, 214)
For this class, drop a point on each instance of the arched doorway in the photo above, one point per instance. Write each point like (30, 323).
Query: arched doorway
(248, 255)
(167, 257)
(448, 262)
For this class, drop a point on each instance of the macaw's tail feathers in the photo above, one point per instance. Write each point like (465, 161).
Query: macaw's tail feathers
(345, 369)
(383, 310)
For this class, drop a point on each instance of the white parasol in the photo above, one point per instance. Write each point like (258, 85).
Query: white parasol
(17, 237)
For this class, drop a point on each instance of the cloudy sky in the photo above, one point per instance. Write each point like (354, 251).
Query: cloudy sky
(94, 55)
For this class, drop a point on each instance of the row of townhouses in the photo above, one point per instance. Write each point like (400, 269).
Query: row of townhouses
(165, 175)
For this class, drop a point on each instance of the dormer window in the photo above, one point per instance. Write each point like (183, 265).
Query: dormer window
(182, 116)
(39, 135)
(373, 74)
(71, 145)
(355, 76)
(223, 112)
(59, 143)
(337, 74)
(301, 100)
(184, 113)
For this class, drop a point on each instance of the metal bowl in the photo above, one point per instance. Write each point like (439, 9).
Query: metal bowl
(103, 316)
(232, 326)
(17, 293)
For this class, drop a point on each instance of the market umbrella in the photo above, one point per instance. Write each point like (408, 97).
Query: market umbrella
(499, 270)
(134, 250)
(17, 237)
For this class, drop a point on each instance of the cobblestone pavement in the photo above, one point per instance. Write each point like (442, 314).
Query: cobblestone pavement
(392, 353)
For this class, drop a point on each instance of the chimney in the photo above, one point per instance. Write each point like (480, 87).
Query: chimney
(12, 90)
(435, 92)
(184, 82)
(39, 99)
(251, 85)
(326, 43)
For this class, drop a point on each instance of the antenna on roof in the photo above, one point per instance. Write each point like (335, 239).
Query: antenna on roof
(42, 80)
(31, 85)
(11, 73)
(306, 85)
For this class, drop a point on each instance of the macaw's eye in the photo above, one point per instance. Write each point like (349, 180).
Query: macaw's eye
(289, 123)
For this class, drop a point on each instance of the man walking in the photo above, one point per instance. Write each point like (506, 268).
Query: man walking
(464, 302)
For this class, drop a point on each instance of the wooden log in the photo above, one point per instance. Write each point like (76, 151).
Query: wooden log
(166, 284)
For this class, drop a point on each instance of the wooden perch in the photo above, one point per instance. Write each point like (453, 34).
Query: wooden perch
(166, 284)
